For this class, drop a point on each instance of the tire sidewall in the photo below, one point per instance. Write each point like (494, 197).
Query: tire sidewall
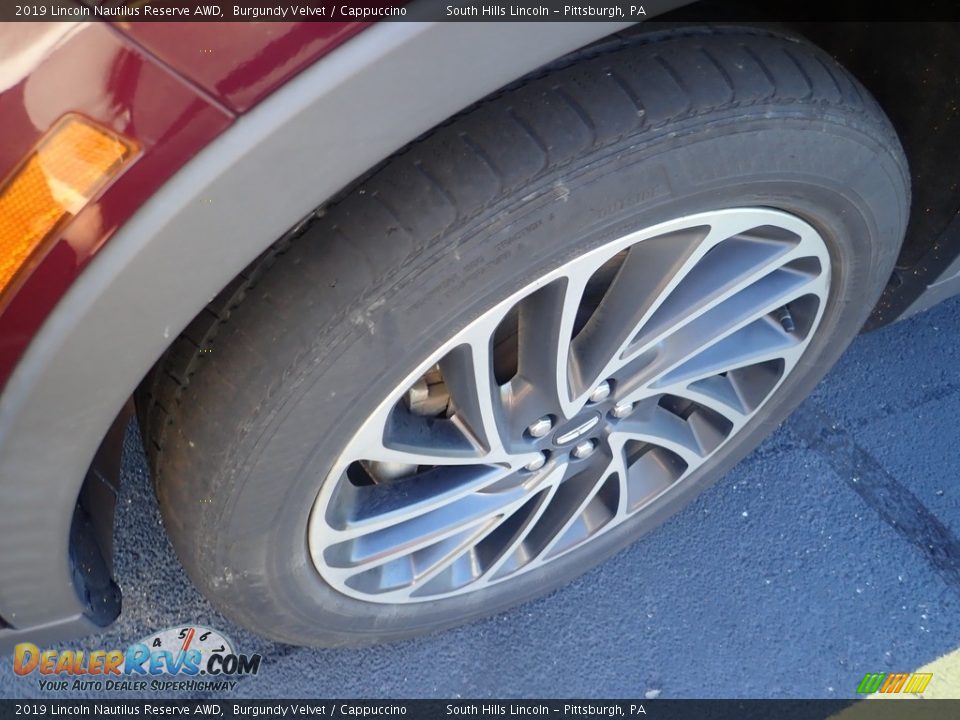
(837, 176)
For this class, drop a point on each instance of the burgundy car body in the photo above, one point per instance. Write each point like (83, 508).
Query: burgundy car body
(172, 87)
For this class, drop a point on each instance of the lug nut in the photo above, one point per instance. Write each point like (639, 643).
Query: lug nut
(601, 392)
(536, 463)
(583, 449)
(622, 409)
(541, 427)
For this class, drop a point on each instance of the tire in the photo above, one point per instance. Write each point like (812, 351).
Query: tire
(247, 413)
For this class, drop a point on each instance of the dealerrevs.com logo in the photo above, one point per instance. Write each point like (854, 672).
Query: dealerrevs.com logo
(185, 652)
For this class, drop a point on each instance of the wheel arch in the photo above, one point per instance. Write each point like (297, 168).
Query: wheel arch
(217, 214)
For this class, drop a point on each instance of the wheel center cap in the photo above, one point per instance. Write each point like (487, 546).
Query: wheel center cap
(577, 429)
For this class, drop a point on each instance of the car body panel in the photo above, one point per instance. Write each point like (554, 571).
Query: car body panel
(937, 274)
(243, 64)
(90, 69)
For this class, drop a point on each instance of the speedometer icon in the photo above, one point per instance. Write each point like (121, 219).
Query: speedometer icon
(196, 642)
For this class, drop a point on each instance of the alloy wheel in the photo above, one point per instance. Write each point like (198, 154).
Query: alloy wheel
(558, 414)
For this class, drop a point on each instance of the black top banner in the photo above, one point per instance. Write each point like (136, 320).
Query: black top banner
(873, 709)
(466, 11)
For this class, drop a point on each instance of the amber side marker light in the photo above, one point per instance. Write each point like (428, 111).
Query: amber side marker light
(67, 168)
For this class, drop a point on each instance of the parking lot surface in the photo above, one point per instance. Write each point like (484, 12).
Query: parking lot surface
(831, 551)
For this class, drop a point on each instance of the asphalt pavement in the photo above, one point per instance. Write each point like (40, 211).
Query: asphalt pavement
(831, 551)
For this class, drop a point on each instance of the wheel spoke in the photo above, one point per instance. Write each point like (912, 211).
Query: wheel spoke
(653, 471)
(471, 436)
(401, 577)
(517, 552)
(460, 563)
(656, 425)
(749, 261)
(570, 406)
(545, 326)
(741, 319)
(468, 372)
(618, 468)
(423, 536)
(569, 512)
(757, 342)
(716, 393)
(440, 494)
(485, 552)
(649, 271)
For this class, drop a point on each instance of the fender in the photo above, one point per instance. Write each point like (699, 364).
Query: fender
(272, 167)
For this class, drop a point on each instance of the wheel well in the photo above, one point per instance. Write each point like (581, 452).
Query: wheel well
(913, 70)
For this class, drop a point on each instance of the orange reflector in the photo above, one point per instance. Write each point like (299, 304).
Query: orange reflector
(73, 161)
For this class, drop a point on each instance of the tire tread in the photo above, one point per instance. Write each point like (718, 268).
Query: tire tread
(631, 89)
(590, 87)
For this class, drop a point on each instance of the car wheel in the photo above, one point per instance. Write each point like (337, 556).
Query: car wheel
(527, 339)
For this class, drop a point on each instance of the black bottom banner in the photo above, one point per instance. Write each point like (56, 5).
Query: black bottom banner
(873, 709)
